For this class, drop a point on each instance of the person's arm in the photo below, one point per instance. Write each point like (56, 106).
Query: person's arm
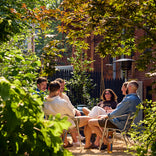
(67, 109)
(121, 108)
(77, 112)
(102, 116)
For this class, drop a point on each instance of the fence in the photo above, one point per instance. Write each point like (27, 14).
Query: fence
(114, 84)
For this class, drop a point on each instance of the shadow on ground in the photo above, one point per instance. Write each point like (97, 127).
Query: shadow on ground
(119, 149)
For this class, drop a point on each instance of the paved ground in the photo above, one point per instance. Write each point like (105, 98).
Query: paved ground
(118, 150)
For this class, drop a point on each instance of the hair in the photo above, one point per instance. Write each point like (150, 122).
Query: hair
(60, 80)
(54, 86)
(134, 84)
(125, 84)
(113, 95)
(41, 79)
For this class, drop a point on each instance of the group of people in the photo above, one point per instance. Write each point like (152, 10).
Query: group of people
(93, 120)
(58, 102)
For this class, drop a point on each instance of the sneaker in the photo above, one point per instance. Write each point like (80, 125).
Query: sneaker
(77, 143)
(103, 147)
(82, 138)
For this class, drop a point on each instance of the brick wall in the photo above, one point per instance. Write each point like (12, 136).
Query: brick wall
(108, 68)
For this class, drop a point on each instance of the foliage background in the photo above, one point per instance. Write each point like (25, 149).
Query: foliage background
(23, 129)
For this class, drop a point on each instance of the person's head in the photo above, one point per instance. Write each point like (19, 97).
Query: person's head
(132, 86)
(42, 83)
(109, 95)
(54, 87)
(62, 84)
(124, 88)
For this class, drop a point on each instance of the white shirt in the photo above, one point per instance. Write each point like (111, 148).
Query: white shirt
(65, 97)
(55, 105)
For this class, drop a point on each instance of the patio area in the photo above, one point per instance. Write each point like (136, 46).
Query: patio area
(119, 149)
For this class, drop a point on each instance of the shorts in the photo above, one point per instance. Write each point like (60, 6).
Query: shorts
(109, 123)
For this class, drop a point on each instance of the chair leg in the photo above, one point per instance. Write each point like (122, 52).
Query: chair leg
(129, 140)
(105, 132)
(124, 139)
(101, 140)
(78, 130)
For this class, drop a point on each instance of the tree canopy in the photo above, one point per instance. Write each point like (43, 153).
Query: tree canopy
(23, 129)
(117, 22)
(11, 24)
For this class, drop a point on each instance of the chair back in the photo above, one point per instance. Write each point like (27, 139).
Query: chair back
(129, 121)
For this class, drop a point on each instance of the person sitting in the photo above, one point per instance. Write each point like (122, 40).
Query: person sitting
(108, 103)
(54, 104)
(65, 96)
(73, 132)
(126, 106)
(41, 86)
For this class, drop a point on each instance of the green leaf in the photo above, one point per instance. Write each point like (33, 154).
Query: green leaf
(4, 88)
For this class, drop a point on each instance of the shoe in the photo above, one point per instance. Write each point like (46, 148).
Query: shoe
(95, 147)
(83, 141)
(77, 143)
(90, 147)
(68, 145)
(82, 138)
(103, 147)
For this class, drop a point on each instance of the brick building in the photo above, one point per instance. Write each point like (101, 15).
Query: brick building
(112, 70)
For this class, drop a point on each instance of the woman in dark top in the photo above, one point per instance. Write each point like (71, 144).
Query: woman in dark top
(108, 103)
(109, 99)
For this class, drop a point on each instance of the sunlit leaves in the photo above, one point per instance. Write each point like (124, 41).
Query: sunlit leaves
(15, 64)
(145, 132)
(108, 19)
(4, 88)
(23, 128)
(39, 16)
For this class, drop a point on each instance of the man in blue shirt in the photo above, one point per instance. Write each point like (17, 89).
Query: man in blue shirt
(126, 106)
(41, 86)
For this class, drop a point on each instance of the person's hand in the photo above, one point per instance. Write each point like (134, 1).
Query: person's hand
(78, 113)
(109, 111)
(102, 116)
(107, 108)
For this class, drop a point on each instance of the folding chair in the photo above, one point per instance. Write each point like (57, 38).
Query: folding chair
(123, 132)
